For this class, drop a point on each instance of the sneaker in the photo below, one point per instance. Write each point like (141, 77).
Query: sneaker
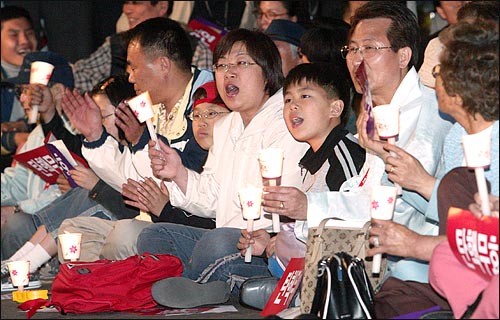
(33, 284)
(179, 292)
(5, 269)
(49, 270)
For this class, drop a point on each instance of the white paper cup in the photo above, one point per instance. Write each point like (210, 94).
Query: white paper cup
(250, 200)
(142, 106)
(386, 120)
(70, 245)
(477, 149)
(19, 273)
(271, 162)
(382, 202)
(383, 199)
(40, 72)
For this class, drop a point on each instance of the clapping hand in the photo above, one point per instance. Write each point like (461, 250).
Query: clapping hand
(146, 195)
(83, 113)
(127, 121)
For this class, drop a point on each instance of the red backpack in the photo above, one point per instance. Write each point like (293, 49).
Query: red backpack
(107, 285)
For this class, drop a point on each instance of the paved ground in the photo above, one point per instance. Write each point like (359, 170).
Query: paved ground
(10, 311)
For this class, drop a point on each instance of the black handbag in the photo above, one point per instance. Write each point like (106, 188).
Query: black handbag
(343, 290)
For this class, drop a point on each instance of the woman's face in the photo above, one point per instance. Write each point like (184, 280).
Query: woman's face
(107, 114)
(203, 124)
(242, 85)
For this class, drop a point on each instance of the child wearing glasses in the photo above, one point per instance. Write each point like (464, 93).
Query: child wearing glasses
(146, 195)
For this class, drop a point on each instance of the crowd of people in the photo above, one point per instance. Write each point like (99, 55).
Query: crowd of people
(282, 84)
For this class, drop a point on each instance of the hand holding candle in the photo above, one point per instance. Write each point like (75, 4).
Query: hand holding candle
(477, 149)
(387, 124)
(250, 200)
(383, 199)
(40, 73)
(142, 106)
(271, 167)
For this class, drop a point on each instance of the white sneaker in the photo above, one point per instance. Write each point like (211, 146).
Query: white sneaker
(33, 284)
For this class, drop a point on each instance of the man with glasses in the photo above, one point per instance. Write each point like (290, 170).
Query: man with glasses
(267, 11)
(384, 37)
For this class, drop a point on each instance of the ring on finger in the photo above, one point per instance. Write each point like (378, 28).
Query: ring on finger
(376, 242)
(282, 205)
(392, 169)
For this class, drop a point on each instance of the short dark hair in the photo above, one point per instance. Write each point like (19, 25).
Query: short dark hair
(403, 30)
(261, 49)
(163, 37)
(116, 88)
(469, 66)
(326, 75)
(15, 12)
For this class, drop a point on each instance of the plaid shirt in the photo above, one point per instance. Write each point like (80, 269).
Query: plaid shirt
(202, 57)
(88, 72)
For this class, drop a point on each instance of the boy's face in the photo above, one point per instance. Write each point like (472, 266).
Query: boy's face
(310, 114)
(203, 126)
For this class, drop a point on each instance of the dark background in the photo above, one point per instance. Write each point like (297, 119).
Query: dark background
(75, 29)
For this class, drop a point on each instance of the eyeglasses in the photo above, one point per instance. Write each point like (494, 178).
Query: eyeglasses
(240, 65)
(365, 51)
(436, 70)
(206, 115)
(268, 15)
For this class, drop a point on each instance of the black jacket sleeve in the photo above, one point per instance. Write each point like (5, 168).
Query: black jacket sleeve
(56, 126)
(112, 200)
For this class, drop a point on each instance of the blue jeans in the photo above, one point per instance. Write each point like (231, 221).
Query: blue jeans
(74, 203)
(18, 229)
(21, 226)
(207, 255)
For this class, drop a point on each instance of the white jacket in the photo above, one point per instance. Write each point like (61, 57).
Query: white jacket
(422, 133)
(232, 163)
(115, 166)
